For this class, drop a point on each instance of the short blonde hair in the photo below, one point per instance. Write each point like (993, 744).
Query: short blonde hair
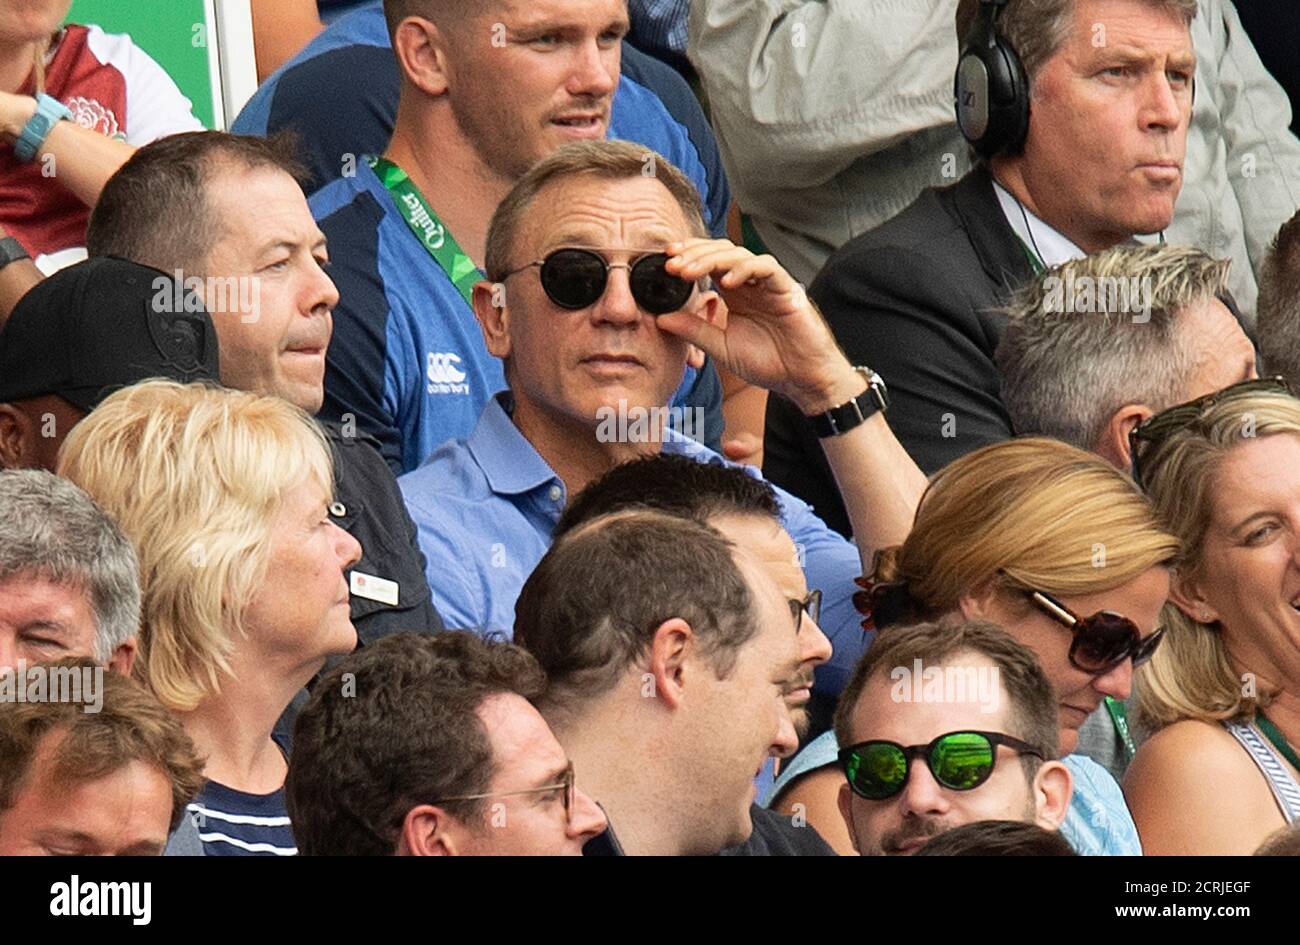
(1190, 676)
(1026, 513)
(194, 475)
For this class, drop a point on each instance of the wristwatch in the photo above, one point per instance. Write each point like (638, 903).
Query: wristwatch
(855, 412)
(11, 251)
(49, 112)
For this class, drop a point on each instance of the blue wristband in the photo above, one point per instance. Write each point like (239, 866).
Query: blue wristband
(49, 112)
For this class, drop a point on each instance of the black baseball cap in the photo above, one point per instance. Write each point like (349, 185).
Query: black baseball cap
(101, 325)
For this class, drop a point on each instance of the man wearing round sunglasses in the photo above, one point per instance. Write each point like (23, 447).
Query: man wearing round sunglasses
(410, 179)
(596, 306)
(943, 725)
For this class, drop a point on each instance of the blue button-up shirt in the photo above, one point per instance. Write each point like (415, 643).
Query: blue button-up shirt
(485, 508)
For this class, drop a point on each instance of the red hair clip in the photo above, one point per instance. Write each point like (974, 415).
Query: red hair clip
(873, 595)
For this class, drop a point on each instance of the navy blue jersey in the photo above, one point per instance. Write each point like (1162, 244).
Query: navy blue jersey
(233, 823)
(407, 362)
(340, 96)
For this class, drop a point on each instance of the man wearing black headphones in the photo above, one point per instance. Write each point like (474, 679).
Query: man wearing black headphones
(1077, 112)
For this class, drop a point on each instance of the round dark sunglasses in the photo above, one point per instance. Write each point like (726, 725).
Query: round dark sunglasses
(576, 278)
(960, 761)
(1101, 641)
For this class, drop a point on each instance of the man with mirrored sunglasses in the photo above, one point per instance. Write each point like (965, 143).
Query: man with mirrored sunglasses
(596, 303)
(943, 725)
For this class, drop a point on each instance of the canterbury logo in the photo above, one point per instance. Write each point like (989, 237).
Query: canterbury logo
(442, 368)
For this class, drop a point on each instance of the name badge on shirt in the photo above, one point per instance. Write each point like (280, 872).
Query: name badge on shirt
(374, 588)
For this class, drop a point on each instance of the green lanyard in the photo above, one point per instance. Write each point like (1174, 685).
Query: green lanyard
(1278, 739)
(426, 226)
(1120, 719)
(1035, 263)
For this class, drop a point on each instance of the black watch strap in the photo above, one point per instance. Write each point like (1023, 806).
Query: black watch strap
(11, 251)
(855, 412)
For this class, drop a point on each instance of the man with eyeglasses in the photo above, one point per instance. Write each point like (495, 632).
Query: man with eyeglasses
(669, 653)
(745, 510)
(595, 306)
(429, 745)
(943, 725)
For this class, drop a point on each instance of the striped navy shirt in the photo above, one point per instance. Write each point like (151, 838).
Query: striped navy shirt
(232, 823)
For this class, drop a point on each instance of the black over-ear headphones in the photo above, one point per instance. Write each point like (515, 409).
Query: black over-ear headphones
(991, 88)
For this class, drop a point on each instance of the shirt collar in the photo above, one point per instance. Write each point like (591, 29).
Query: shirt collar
(1038, 237)
(509, 462)
(512, 464)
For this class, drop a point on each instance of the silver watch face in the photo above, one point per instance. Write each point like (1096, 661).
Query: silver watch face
(872, 378)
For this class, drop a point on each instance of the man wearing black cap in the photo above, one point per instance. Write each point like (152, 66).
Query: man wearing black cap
(83, 333)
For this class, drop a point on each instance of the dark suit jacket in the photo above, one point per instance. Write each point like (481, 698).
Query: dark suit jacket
(913, 299)
(368, 506)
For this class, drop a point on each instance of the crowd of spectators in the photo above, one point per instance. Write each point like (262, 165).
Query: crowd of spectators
(449, 459)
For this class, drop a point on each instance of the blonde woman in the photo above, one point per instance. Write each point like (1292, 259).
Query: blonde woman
(1220, 775)
(224, 495)
(1061, 550)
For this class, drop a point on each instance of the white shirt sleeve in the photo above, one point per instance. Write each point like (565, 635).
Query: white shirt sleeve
(155, 106)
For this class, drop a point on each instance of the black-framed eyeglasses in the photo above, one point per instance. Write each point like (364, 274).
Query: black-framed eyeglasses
(810, 605)
(1159, 427)
(574, 278)
(1101, 641)
(960, 761)
(568, 784)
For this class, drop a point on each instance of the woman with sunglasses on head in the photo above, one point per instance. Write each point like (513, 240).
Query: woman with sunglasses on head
(1224, 690)
(1062, 551)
